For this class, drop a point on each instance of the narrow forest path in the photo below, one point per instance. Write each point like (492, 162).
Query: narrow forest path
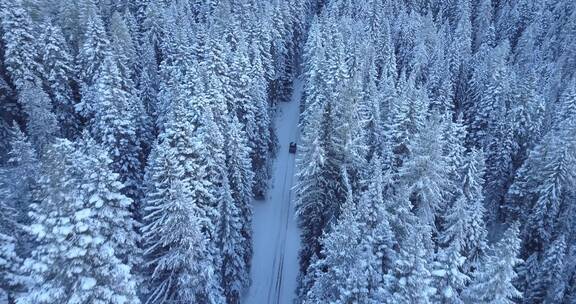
(276, 238)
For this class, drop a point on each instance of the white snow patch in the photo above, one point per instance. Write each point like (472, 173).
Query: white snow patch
(38, 230)
(87, 283)
(82, 214)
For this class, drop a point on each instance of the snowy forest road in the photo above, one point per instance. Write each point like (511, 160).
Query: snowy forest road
(276, 238)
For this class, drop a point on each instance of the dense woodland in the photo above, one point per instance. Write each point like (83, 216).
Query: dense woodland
(437, 162)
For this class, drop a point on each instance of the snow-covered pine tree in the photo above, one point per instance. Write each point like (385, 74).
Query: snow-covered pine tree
(491, 128)
(231, 245)
(101, 185)
(549, 285)
(59, 74)
(493, 281)
(464, 227)
(113, 125)
(424, 173)
(410, 279)
(320, 191)
(9, 257)
(94, 49)
(406, 118)
(241, 179)
(448, 277)
(263, 144)
(374, 217)
(279, 49)
(454, 136)
(122, 44)
(17, 182)
(82, 226)
(20, 53)
(177, 257)
(348, 270)
(41, 123)
(483, 32)
(20, 178)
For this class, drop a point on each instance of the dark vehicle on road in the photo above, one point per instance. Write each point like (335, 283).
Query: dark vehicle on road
(292, 148)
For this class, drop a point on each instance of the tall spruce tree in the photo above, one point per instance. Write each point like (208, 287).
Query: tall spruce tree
(493, 282)
(82, 226)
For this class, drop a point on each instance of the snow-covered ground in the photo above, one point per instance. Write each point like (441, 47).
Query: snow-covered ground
(276, 237)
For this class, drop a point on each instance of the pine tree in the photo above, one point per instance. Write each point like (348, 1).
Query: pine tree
(41, 124)
(424, 173)
(483, 28)
(374, 216)
(492, 131)
(241, 179)
(406, 118)
(9, 258)
(59, 75)
(465, 229)
(279, 85)
(122, 45)
(320, 190)
(176, 248)
(101, 185)
(493, 281)
(347, 271)
(81, 225)
(114, 128)
(449, 278)
(20, 53)
(549, 286)
(540, 188)
(410, 280)
(18, 180)
(263, 143)
(232, 246)
(94, 49)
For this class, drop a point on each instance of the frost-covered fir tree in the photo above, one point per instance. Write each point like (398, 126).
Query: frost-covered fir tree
(94, 48)
(550, 285)
(59, 73)
(410, 279)
(320, 190)
(82, 226)
(176, 252)
(374, 216)
(9, 258)
(542, 185)
(348, 270)
(249, 91)
(232, 246)
(41, 124)
(241, 179)
(123, 48)
(406, 118)
(113, 125)
(465, 229)
(448, 277)
(16, 185)
(493, 281)
(122, 45)
(20, 52)
(424, 172)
